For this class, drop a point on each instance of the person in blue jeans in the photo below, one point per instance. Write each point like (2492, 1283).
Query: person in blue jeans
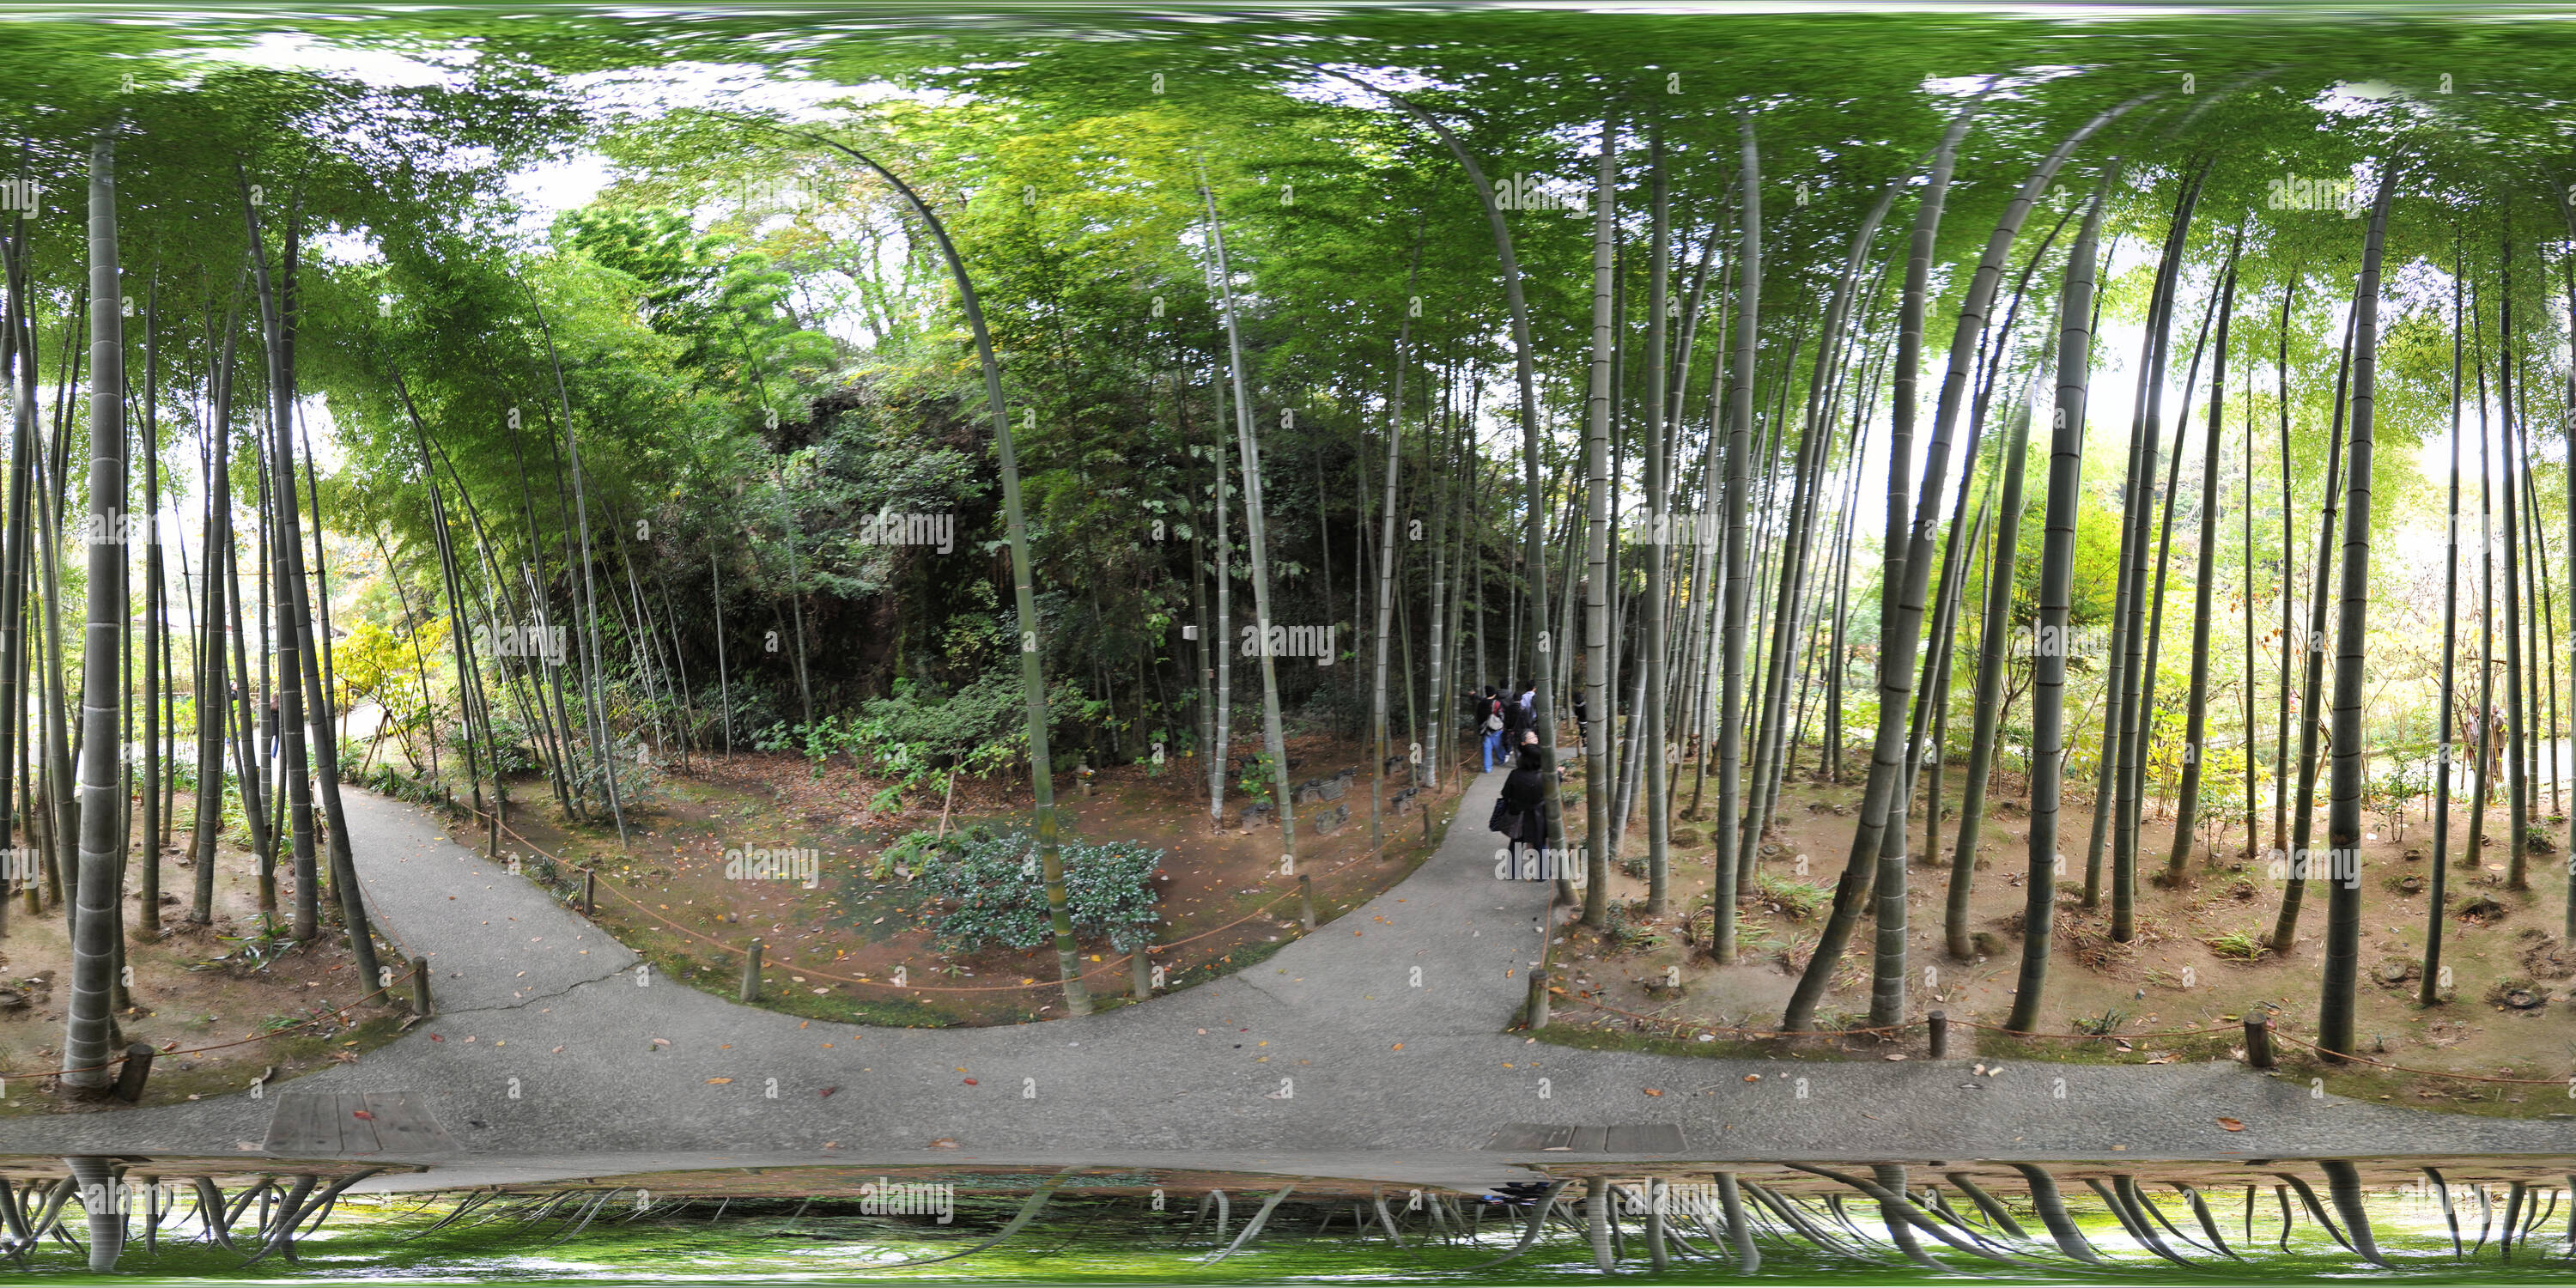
(1490, 723)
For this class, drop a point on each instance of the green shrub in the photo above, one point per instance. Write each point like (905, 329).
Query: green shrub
(989, 881)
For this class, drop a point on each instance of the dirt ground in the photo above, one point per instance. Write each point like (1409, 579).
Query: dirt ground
(204, 996)
(2512, 980)
(831, 952)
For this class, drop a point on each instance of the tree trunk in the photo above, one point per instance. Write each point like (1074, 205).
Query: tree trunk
(1386, 552)
(1256, 547)
(2428, 991)
(1650, 711)
(1993, 641)
(2285, 929)
(2196, 705)
(1866, 864)
(2343, 825)
(86, 1018)
(2056, 594)
(1597, 734)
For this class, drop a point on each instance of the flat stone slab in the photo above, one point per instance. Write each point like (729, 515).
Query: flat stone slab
(359, 1124)
(1633, 1138)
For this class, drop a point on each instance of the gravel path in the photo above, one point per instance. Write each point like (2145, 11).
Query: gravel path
(549, 1058)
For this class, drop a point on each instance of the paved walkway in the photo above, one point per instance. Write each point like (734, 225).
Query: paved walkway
(547, 1059)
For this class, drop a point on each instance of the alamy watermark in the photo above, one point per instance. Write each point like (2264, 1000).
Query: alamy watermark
(2043, 640)
(1521, 192)
(521, 639)
(2292, 192)
(886, 528)
(882, 1197)
(800, 865)
(22, 197)
(1539, 863)
(1702, 531)
(1290, 641)
(2337, 865)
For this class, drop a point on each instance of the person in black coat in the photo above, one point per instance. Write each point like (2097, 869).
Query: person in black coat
(1521, 810)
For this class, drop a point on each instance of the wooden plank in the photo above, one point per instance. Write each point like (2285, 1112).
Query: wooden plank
(404, 1125)
(1591, 1140)
(304, 1125)
(1645, 1138)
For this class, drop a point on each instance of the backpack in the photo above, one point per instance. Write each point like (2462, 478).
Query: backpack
(1493, 715)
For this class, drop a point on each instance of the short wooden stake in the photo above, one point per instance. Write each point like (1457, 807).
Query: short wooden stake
(1940, 1023)
(751, 973)
(1306, 900)
(1140, 973)
(420, 987)
(131, 1076)
(589, 892)
(2258, 1041)
(1537, 1016)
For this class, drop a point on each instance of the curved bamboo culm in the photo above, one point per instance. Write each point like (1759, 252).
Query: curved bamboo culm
(2051, 1206)
(1032, 680)
(1986, 1203)
(2450, 1213)
(2117, 1196)
(1539, 1208)
(97, 1181)
(1596, 1222)
(1261, 1218)
(1385, 1218)
(2343, 1180)
(277, 1234)
(1730, 1195)
(2308, 1200)
(2208, 1221)
(2056, 595)
(1028, 1212)
(1886, 1186)
(1863, 867)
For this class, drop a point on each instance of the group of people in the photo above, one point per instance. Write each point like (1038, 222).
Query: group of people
(1510, 726)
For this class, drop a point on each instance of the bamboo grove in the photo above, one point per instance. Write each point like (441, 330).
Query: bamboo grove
(1737, 397)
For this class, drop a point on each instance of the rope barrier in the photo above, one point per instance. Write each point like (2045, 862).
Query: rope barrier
(2428, 1073)
(334, 1013)
(2277, 1030)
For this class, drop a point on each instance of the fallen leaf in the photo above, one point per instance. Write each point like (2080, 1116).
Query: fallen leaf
(435, 1038)
(1753, 1077)
(971, 1082)
(714, 1082)
(827, 1092)
(361, 1113)
(1653, 1092)
(2231, 1124)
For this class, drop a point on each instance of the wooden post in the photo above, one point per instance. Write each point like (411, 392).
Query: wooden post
(1140, 973)
(1940, 1023)
(751, 973)
(131, 1076)
(420, 987)
(2258, 1041)
(1537, 1016)
(589, 892)
(1306, 900)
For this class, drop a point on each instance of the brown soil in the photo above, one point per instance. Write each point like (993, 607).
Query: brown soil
(830, 951)
(195, 988)
(2169, 977)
